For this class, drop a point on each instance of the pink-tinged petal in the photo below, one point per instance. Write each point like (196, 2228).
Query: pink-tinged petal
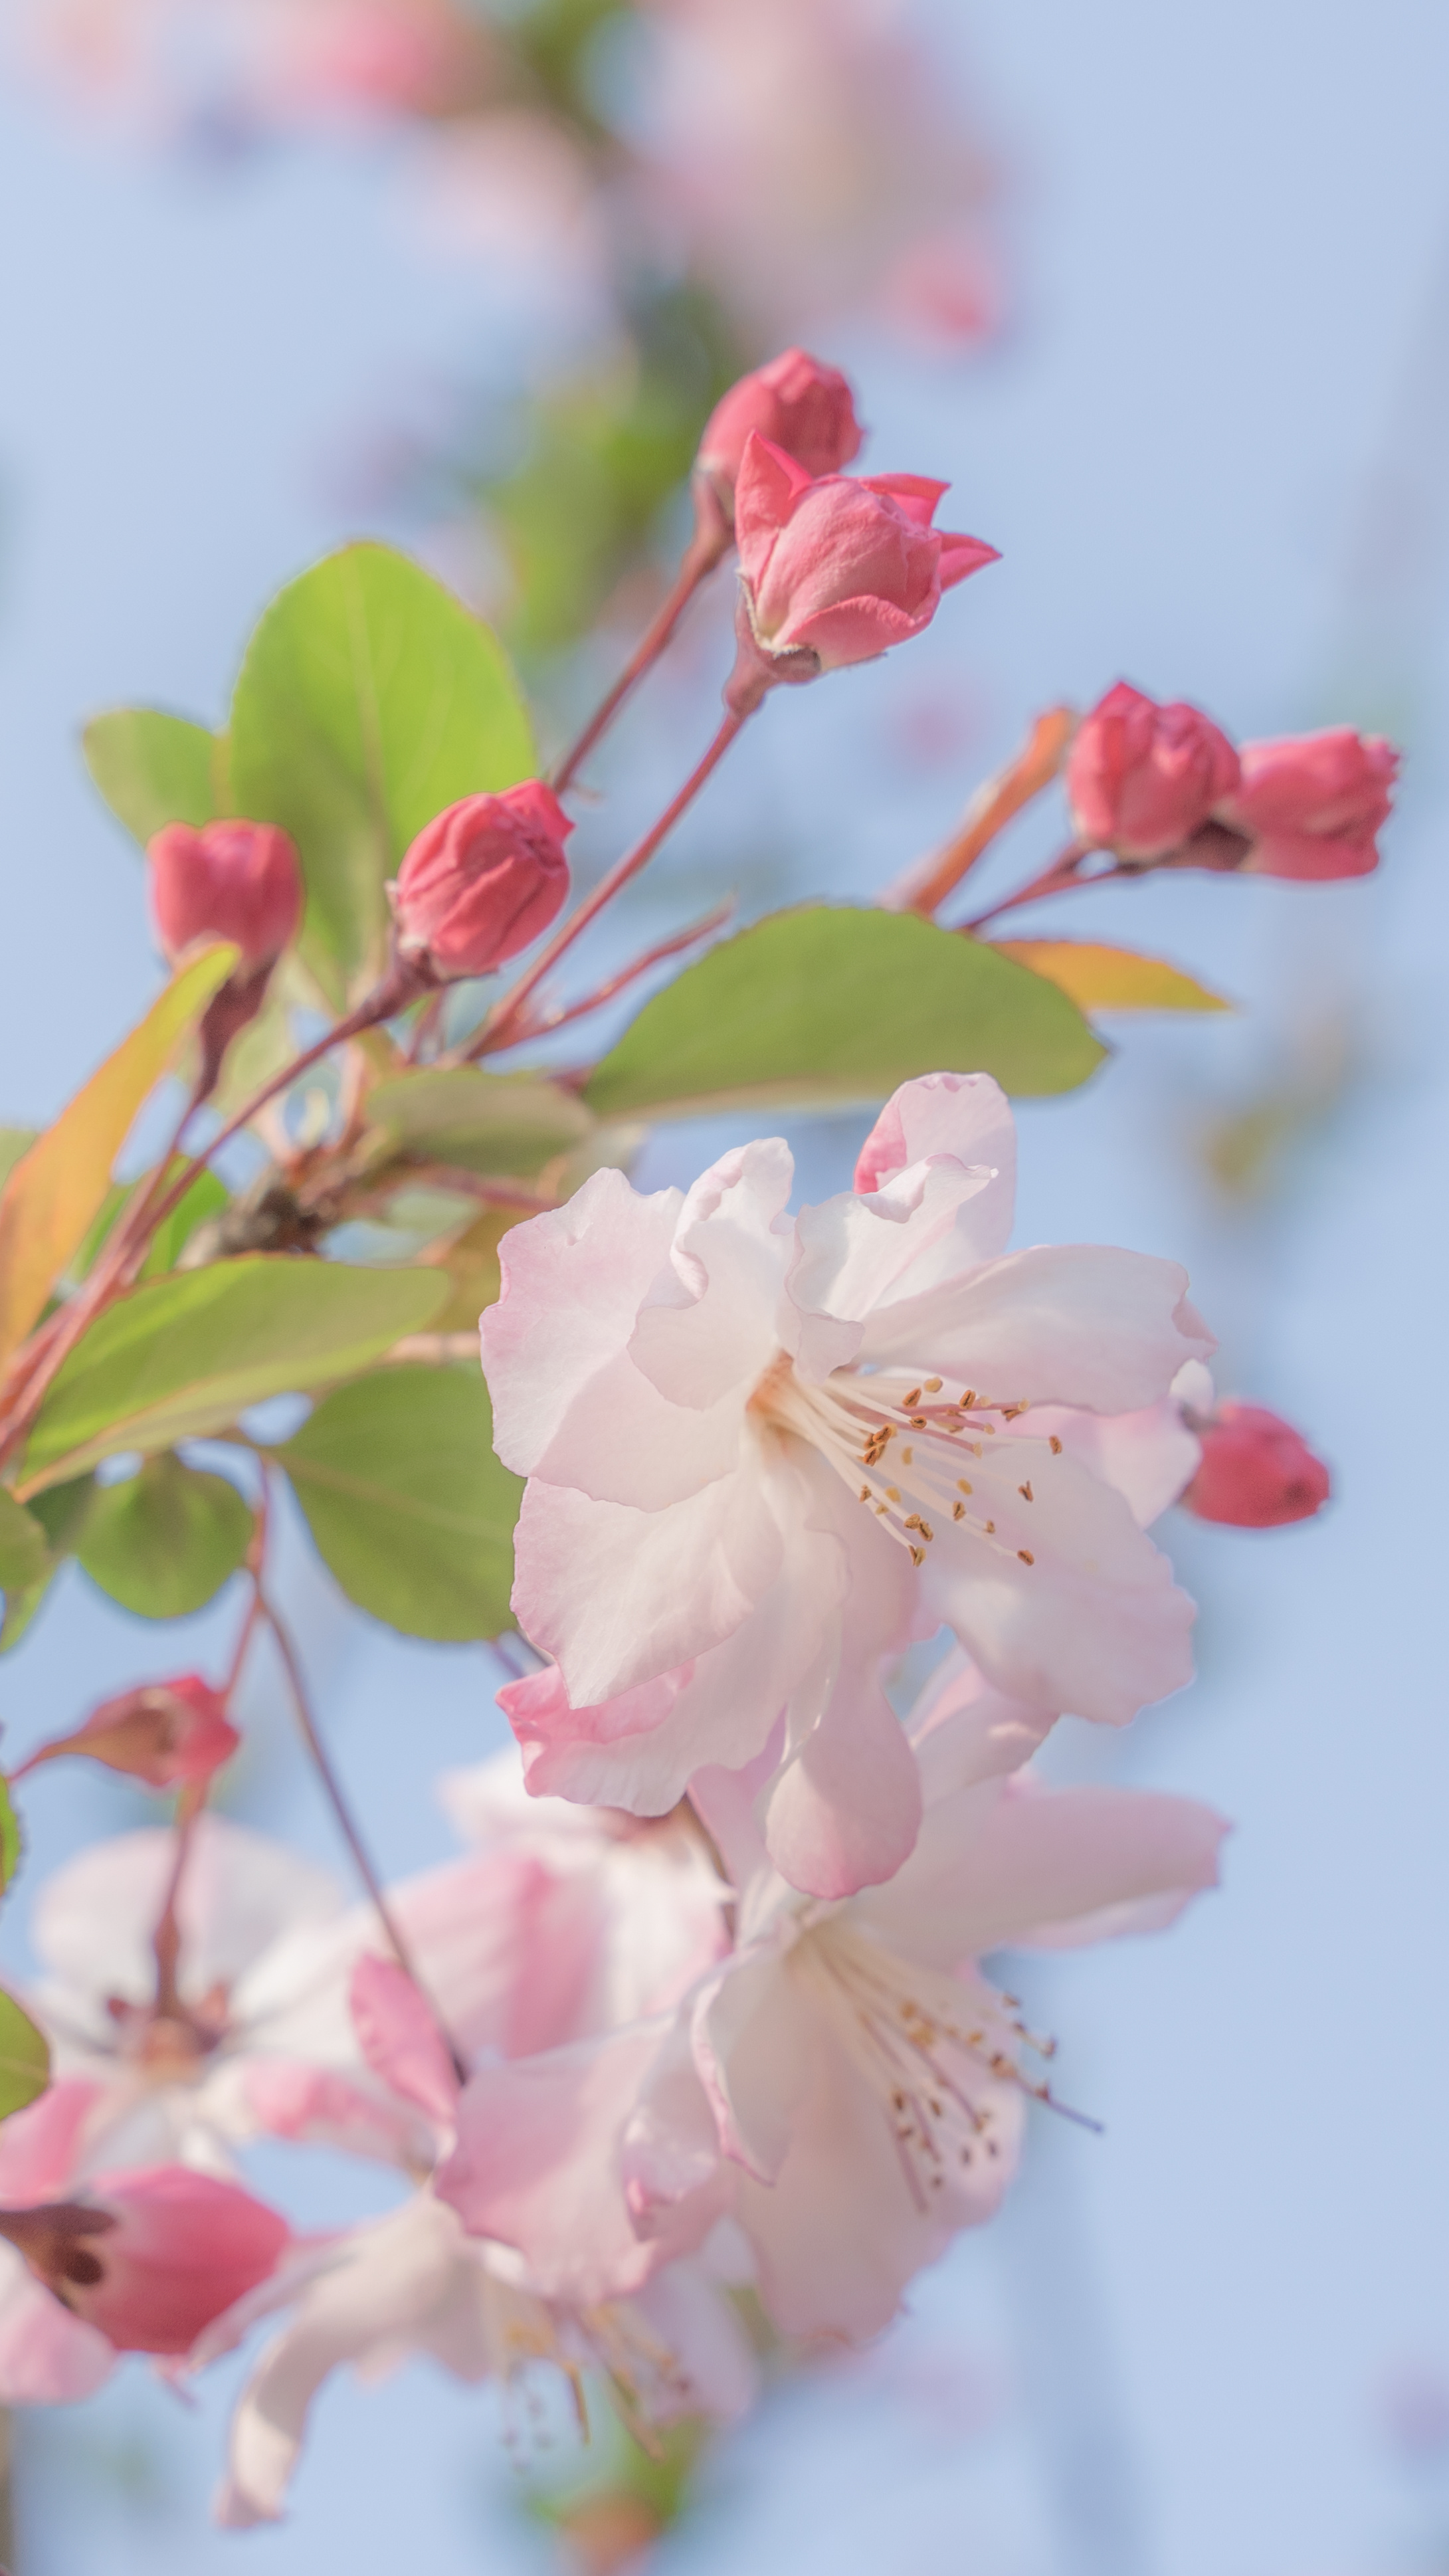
(707, 1327)
(669, 2148)
(640, 1750)
(768, 486)
(505, 1943)
(714, 2371)
(47, 2356)
(1068, 1607)
(861, 1258)
(752, 2039)
(398, 2032)
(376, 2292)
(171, 2250)
(839, 2234)
(1013, 1862)
(963, 1732)
(1148, 1456)
(558, 1358)
(845, 1810)
(41, 2147)
(965, 1115)
(573, 1282)
(315, 2106)
(961, 556)
(916, 494)
(537, 2165)
(619, 1596)
(93, 1920)
(856, 630)
(1078, 1324)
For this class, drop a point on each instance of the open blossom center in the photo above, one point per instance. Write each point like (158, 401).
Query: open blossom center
(933, 2051)
(915, 1455)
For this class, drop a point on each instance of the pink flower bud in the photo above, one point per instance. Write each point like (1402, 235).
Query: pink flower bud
(166, 1733)
(1141, 778)
(1257, 1472)
(150, 2257)
(834, 571)
(234, 880)
(1312, 803)
(481, 881)
(800, 405)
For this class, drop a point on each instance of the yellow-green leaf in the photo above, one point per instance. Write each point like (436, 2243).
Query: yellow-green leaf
(24, 2058)
(1111, 979)
(57, 1188)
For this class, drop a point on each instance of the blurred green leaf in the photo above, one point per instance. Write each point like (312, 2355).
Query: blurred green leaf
(24, 2058)
(407, 1502)
(206, 1198)
(61, 1512)
(482, 1122)
(9, 1836)
(369, 699)
(153, 768)
(189, 1353)
(821, 1007)
(167, 1539)
(24, 1551)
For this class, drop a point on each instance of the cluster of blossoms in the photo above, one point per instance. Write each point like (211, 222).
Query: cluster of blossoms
(709, 2002)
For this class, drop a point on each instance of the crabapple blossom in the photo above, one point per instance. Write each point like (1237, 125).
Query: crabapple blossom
(847, 2086)
(1311, 805)
(415, 2281)
(835, 570)
(1141, 777)
(231, 880)
(481, 881)
(150, 2257)
(796, 402)
(764, 1452)
(1257, 1472)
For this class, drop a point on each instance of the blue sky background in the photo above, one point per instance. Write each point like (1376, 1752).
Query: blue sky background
(1211, 450)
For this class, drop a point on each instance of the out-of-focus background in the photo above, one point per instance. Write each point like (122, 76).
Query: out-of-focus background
(1165, 294)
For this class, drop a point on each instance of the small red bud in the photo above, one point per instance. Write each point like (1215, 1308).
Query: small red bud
(1141, 778)
(152, 2256)
(1257, 1472)
(481, 881)
(170, 1734)
(234, 880)
(798, 403)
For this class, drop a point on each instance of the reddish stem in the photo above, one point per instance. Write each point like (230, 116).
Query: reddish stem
(347, 1824)
(702, 555)
(501, 1028)
(166, 1939)
(1060, 878)
(613, 984)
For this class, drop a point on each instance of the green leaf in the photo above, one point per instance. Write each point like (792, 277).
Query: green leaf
(61, 1512)
(153, 768)
(1112, 979)
(24, 1552)
(369, 699)
(407, 1502)
(819, 1008)
(9, 1836)
(59, 1186)
(206, 1198)
(482, 1122)
(164, 1542)
(24, 2058)
(186, 1355)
